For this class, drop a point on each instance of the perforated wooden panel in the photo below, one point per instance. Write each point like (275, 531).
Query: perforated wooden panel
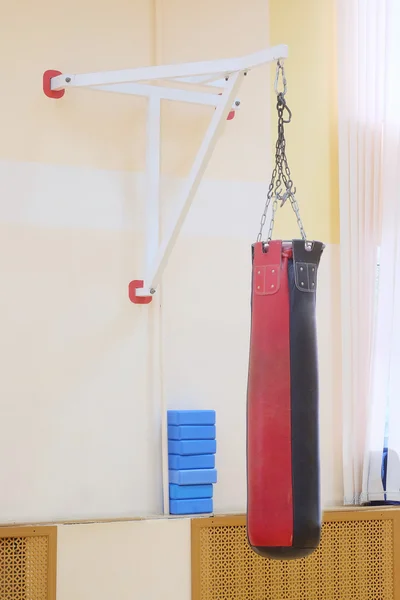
(355, 561)
(27, 563)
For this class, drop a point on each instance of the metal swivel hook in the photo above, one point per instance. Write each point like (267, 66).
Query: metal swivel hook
(288, 194)
(280, 70)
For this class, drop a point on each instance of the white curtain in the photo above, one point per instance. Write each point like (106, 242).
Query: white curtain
(369, 170)
(386, 381)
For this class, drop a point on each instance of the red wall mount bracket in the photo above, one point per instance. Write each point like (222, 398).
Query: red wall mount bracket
(133, 297)
(47, 77)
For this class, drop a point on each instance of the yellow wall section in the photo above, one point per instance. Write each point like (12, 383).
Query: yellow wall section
(308, 27)
(107, 131)
(85, 128)
(208, 30)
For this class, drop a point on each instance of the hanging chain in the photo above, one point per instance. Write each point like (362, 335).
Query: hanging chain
(281, 176)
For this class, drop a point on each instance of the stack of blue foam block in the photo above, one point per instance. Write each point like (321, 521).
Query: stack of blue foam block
(191, 457)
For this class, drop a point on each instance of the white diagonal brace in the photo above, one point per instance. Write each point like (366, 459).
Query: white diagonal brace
(215, 80)
(163, 93)
(200, 164)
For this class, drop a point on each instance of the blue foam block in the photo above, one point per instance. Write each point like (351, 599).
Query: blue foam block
(191, 432)
(198, 461)
(191, 417)
(185, 492)
(193, 476)
(186, 447)
(191, 507)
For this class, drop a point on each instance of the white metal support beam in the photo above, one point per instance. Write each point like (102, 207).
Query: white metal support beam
(218, 68)
(162, 93)
(200, 164)
(222, 80)
(153, 179)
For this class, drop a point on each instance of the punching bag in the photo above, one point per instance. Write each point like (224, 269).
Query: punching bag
(283, 487)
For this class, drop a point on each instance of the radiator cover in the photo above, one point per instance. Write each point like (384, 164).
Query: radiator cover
(355, 560)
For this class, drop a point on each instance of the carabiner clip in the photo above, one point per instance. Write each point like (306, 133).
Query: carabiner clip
(281, 103)
(289, 114)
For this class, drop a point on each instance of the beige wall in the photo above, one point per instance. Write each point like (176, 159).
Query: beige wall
(80, 437)
(86, 130)
(84, 437)
(108, 131)
(309, 28)
(144, 560)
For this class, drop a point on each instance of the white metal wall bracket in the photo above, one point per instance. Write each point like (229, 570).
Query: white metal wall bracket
(222, 80)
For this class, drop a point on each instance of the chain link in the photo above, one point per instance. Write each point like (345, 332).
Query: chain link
(281, 176)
